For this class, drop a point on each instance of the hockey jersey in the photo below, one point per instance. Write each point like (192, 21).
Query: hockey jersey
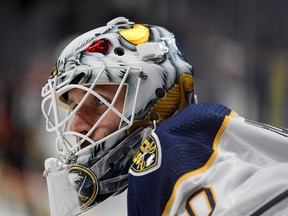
(207, 160)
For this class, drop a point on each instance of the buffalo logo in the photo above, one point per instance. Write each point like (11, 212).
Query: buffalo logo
(148, 157)
(84, 183)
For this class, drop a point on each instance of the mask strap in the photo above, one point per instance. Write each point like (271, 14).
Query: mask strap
(154, 124)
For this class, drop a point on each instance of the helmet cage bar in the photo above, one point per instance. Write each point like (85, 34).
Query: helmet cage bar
(70, 86)
(55, 109)
(58, 78)
(60, 92)
(64, 147)
(129, 122)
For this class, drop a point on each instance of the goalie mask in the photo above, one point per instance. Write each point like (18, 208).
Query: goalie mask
(109, 88)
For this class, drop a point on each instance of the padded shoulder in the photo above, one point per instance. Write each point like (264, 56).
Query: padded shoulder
(186, 143)
(195, 121)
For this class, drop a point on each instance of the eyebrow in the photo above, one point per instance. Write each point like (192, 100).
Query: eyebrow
(70, 101)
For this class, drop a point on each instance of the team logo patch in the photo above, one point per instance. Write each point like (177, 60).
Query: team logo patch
(148, 157)
(84, 183)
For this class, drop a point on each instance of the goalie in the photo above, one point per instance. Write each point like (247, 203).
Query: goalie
(122, 103)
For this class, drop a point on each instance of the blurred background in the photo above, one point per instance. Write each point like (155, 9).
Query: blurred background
(238, 50)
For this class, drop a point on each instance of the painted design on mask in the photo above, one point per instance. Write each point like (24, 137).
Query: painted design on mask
(85, 184)
(137, 35)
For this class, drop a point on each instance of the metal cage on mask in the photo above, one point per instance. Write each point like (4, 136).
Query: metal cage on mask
(66, 149)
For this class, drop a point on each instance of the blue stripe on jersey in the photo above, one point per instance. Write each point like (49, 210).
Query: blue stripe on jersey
(187, 144)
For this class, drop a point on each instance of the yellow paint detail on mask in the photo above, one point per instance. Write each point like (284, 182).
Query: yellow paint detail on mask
(174, 100)
(137, 35)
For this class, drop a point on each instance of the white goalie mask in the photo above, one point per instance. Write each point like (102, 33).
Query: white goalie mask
(108, 88)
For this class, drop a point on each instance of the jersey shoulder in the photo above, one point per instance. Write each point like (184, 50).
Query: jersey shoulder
(190, 134)
(197, 123)
(177, 146)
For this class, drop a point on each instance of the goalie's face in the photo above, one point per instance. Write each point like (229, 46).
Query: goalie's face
(92, 110)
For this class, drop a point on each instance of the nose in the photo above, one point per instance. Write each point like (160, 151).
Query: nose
(80, 124)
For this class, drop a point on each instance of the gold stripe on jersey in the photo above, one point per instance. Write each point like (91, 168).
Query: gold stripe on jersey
(202, 169)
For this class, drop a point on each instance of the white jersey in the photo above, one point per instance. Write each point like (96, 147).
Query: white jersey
(207, 160)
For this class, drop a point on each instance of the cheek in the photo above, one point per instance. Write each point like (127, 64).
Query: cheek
(113, 120)
(109, 125)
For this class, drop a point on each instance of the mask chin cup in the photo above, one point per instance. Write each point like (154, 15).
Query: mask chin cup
(63, 198)
(73, 189)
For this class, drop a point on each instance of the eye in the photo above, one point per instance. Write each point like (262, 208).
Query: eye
(98, 102)
(99, 46)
